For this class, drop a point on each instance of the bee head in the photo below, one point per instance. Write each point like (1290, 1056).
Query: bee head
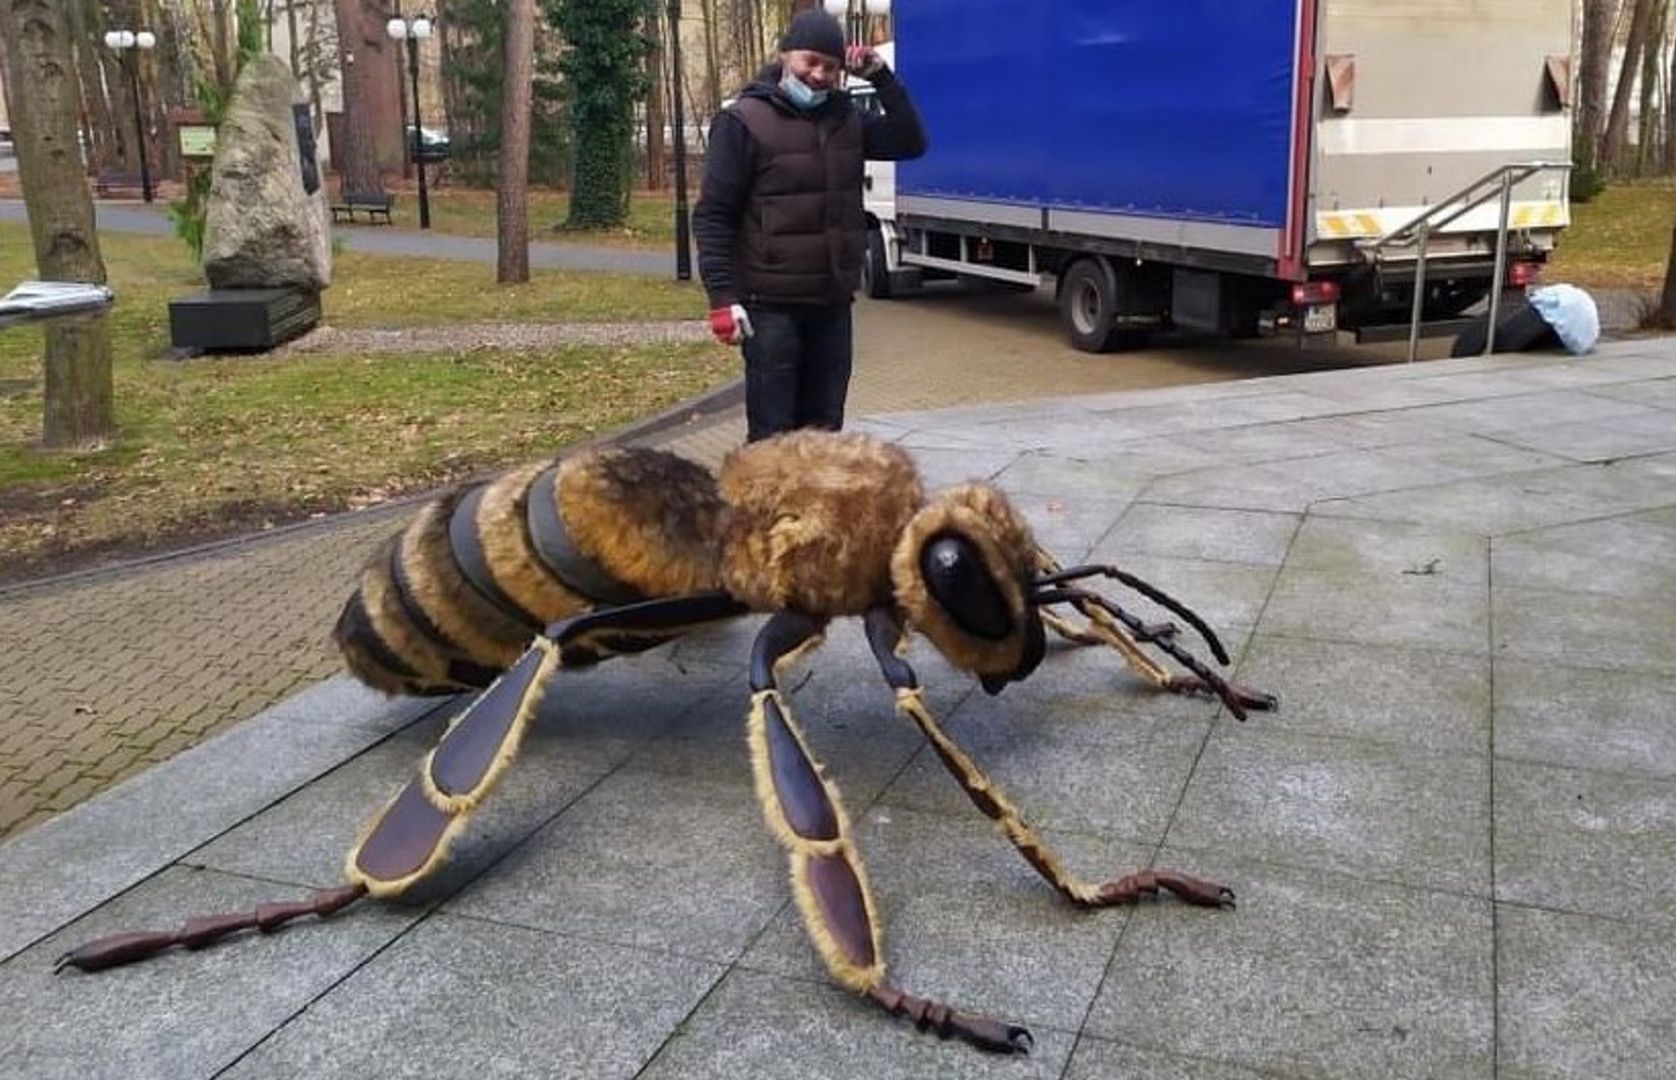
(961, 572)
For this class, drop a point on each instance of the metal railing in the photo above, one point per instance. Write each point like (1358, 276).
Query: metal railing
(1499, 182)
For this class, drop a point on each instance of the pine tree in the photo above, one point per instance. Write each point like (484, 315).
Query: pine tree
(605, 75)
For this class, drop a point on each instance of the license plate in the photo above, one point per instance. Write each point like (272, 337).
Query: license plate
(1320, 318)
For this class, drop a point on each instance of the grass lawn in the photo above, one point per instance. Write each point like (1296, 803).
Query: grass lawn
(219, 446)
(1620, 238)
(462, 211)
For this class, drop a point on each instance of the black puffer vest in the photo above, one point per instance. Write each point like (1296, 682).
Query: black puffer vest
(803, 234)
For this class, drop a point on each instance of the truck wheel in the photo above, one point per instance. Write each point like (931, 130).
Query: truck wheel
(1088, 305)
(875, 272)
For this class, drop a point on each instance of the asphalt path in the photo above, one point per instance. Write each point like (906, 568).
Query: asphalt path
(986, 344)
(385, 240)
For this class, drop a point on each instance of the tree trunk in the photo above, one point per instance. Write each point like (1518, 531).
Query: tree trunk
(386, 91)
(1667, 305)
(512, 212)
(5, 73)
(222, 43)
(171, 87)
(357, 158)
(1617, 124)
(1652, 64)
(1669, 163)
(712, 61)
(293, 42)
(316, 51)
(78, 358)
(86, 32)
(656, 88)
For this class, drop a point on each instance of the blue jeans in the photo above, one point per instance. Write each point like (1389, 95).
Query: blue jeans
(797, 368)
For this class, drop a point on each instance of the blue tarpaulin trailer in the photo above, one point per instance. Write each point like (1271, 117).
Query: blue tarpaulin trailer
(1236, 166)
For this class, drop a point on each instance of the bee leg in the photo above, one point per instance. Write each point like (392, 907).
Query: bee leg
(409, 838)
(828, 879)
(884, 633)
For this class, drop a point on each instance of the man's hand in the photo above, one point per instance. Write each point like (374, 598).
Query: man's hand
(862, 61)
(731, 324)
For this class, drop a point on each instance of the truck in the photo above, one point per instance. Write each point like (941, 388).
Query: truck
(1298, 167)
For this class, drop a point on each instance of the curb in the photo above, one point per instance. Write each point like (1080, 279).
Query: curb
(694, 410)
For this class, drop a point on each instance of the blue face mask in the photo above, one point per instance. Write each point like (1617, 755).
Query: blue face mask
(798, 92)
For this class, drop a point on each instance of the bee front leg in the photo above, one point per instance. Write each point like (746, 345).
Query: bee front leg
(828, 879)
(884, 633)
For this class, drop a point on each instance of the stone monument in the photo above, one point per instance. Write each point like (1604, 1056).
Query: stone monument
(267, 235)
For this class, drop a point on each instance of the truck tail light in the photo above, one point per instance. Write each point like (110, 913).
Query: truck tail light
(1523, 274)
(1315, 292)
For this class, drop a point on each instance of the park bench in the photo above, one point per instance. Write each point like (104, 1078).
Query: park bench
(110, 184)
(373, 204)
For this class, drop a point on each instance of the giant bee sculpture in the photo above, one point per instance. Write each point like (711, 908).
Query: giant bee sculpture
(501, 587)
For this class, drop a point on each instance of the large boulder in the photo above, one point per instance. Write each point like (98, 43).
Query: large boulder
(263, 230)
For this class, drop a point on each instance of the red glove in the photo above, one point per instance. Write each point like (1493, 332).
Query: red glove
(731, 324)
(862, 62)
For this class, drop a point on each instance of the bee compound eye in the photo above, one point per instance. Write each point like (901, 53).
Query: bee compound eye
(960, 582)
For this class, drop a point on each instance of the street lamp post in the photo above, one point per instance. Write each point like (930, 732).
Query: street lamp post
(120, 41)
(413, 31)
(683, 242)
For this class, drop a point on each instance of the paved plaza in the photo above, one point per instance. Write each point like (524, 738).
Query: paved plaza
(1454, 843)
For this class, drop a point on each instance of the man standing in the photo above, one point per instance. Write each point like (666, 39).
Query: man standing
(780, 228)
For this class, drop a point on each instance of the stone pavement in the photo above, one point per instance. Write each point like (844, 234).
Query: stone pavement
(1454, 844)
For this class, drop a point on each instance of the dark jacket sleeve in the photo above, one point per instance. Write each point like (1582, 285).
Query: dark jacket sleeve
(899, 134)
(728, 168)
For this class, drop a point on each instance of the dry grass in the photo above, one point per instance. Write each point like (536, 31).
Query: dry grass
(216, 446)
(460, 211)
(1619, 239)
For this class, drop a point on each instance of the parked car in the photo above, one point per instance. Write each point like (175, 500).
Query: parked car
(434, 145)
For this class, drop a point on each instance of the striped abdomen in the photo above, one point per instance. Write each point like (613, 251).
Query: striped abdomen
(457, 596)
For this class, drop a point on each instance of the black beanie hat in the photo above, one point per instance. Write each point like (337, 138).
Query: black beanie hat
(816, 31)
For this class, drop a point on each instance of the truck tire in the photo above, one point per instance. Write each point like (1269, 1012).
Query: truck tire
(1088, 305)
(875, 271)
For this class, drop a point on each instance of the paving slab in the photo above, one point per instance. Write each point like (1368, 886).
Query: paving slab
(1587, 842)
(1436, 701)
(1586, 629)
(459, 997)
(1517, 502)
(673, 864)
(1096, 1059)
(1213, 535)
(1630, 556)
(1314, 976)
(77, 861)
(1122, 780)
(968, 922)
(1581, 997)
(1419, 610)
(1367, 809)
(755, 1024)
(1226, 595)
(1590, 718)
(183, 1014)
